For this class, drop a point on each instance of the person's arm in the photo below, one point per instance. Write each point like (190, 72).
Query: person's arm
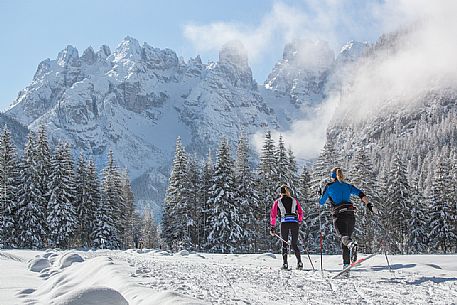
(274, 213)
(355, 191)
(324, 196)
(299, 211)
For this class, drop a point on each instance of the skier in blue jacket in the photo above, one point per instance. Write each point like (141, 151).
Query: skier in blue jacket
(339, 193)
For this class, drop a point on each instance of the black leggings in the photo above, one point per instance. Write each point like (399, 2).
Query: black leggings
(344, 225)
(293, 228)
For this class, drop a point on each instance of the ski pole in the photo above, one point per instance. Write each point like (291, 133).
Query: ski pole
(321, 238)
(307, 253)
(284, 241)
(383, 244)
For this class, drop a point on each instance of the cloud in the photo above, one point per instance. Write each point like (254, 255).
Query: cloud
(311, 19)
(306, 137)
(422, 59)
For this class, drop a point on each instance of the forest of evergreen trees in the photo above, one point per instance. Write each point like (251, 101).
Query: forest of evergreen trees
(48, 200)
(224, 206)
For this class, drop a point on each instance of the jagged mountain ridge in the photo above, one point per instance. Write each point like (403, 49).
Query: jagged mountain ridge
(137, 99)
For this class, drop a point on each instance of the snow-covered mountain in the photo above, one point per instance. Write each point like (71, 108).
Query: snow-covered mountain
(137, 99)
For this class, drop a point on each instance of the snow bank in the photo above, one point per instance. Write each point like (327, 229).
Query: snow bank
(38, 264)
(183, 253)
(92, 296)
(68, 259)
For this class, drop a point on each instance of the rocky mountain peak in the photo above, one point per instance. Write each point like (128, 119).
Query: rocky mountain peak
(235, 53)
(351, 51)
(68, 56)
(129, 48)
(103, 52)
(88, 56)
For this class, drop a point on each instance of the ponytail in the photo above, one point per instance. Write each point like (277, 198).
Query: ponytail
(337, 173)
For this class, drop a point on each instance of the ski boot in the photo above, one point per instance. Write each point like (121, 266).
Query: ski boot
(353, 251)
(285, 266)
(300, 265)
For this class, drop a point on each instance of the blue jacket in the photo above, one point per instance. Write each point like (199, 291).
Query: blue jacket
(339, 193)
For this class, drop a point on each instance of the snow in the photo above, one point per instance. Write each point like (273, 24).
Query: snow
(148, 277)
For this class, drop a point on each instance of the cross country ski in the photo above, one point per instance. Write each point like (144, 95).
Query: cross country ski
(354, 264)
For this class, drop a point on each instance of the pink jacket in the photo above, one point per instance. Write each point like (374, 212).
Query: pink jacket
(274, 211)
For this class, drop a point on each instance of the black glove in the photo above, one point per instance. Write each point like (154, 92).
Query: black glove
(273, 231)
(370, 207)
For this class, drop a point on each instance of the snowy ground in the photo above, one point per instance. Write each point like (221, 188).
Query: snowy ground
(129, 277)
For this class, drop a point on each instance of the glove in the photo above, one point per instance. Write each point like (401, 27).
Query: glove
(273, 231)
(371, 208)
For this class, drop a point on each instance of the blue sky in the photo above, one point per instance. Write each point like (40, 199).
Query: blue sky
(35, 30)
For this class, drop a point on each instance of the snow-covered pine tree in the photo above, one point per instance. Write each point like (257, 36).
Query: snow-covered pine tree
(83, 211)
(61, 214)
(282, 164)
(127, 195)
(174, 221)
(226, 234)
(113, 202)
(93, 203)
(9, 183)
(43, 167)
(397, 209)
(31, 221)
(310, 228)
(418, 223)
(150, 233)
(363, 177)
(194, 202)
(442, 237)
(247, 198)
(207, 178)
(267, 185)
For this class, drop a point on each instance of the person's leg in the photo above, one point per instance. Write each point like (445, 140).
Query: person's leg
(341, 228)
(284, 236)
(294, 231)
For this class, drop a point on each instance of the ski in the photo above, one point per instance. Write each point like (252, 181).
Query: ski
(354, 264)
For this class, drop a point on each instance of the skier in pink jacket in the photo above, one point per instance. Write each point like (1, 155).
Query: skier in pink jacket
(291, 214)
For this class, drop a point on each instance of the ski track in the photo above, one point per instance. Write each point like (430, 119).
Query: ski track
(227, 281)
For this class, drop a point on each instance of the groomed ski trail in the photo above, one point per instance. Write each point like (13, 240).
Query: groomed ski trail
(257, 279)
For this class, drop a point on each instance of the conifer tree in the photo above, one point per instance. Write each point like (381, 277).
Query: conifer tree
(442, 216)
(92, 204)
(150, 232)
(194, 202)
(43, 168)
(127, 195)
(247, 198)
(174, 222)
(363, 176)
(113, 202)
(31, 221)
(418, 222)
(397, 210)
(207, 177)
(61, 214)
(226, 234)
(267, 184)
(9, 183)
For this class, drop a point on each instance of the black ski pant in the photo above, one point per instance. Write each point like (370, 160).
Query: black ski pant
(291, 227)
(344, 223)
